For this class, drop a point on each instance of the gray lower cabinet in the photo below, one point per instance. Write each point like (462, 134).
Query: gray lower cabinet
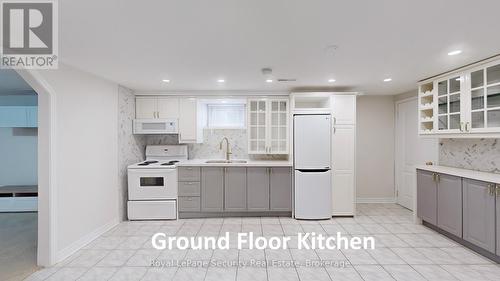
(189, 203)
(426, 196)
(258, 189)
(479, 214)
(212, 189)
(449, 203)
(497, 194)
(189, 173)
(235, 189)
(280, 189)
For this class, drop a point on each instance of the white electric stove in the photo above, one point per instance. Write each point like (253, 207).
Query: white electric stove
(152, 184)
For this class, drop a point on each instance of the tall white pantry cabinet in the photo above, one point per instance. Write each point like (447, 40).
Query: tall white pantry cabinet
(343, 155)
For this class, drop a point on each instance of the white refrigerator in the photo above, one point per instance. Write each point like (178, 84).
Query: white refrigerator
(312, 166)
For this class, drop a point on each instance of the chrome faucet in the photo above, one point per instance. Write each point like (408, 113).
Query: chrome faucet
(228, 148)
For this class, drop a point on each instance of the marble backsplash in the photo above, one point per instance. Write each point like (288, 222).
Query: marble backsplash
(474, 154)
(131, 147)
(210, 148)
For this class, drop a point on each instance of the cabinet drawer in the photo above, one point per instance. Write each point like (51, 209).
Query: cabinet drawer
(189, 204)
(152, 210)
(189, 188)
(189, 173)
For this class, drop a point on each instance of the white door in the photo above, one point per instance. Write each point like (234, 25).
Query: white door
(145, 108)
(411, 150)
(168, 108)
(312, 141)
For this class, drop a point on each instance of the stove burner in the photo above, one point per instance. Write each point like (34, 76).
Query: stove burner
(146, 163)
(169, 163)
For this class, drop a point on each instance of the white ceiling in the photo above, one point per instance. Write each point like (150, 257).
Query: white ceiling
(194, 43)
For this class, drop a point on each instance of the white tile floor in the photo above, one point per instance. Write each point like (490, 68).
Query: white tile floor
(404, 251)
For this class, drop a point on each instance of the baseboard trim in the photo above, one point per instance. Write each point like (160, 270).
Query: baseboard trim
(85, 240)
(385, 200)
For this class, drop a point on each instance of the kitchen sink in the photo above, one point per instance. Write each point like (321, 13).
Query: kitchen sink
(225, 161)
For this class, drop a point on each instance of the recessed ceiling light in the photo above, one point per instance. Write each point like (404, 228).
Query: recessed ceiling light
(454, 53)
(166, 80)
(269, 80)
(387, 79)
(221, 80)
(331, 80)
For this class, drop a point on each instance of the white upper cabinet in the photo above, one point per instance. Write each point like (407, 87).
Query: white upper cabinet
(168, 108)
(484, 85)
(145, 107)
(462, 104)
(189, 131)
(344, 109)
(156, 108)
(451, 105)
(268, 131)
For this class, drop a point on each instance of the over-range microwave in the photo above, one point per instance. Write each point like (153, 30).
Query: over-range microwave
(155, 126)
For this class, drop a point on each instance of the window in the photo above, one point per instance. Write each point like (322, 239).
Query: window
(226, 116)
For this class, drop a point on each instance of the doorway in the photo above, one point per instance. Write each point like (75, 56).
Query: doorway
(411, 150)
(18, 177)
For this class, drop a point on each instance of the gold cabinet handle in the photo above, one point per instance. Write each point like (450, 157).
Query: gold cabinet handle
(438, 176)
(491, 189)
(462, 126)
(497, 190)
(467, 127)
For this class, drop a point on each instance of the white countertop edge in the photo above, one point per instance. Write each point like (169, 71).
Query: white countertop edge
(464, 173)
(250, 163)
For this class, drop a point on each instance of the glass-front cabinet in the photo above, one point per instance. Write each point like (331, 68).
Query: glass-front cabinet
(257, 126)
(465, 103)
(268, 126)
(449, 103)
(484, 83)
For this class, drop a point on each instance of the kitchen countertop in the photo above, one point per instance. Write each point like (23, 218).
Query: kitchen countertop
(250, 163)
(464, 173)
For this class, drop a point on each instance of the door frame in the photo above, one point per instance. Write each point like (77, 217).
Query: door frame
(47, 191)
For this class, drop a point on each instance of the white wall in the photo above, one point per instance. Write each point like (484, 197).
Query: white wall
(18, 150)
(86, 166)
(375, 148)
